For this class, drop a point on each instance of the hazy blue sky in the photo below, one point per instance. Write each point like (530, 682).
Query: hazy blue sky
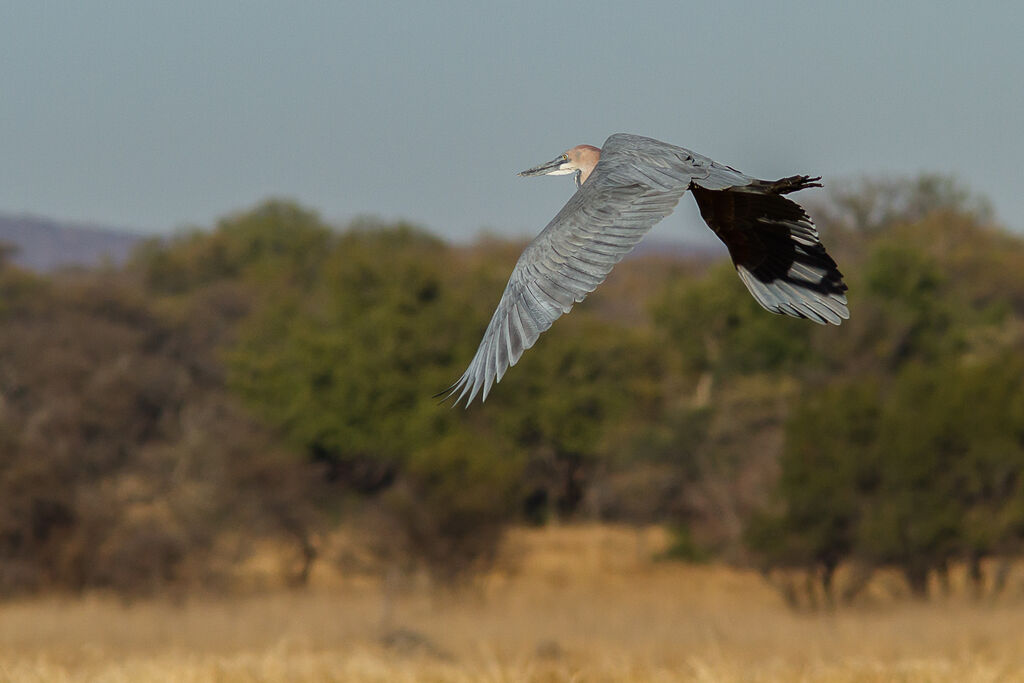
(156, 115)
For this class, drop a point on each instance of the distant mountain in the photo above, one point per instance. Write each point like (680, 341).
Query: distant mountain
(43, 244)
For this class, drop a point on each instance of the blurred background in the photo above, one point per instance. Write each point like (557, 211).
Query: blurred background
(244, 243)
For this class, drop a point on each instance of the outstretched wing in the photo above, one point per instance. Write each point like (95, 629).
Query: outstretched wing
(775, 247)
(636, 183)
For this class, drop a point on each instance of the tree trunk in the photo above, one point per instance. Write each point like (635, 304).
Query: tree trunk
(916, 575)
(811, 589)
(572, 486)
(1001, 575)
(976, 576)
(307, 548)
(943, 572)
(828, 574)
(860, 577)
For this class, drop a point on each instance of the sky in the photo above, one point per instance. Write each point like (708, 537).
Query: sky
(157, 116)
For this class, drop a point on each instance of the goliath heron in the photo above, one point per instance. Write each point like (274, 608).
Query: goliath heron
(626, 187)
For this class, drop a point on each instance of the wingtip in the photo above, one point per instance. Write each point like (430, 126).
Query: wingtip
(444, 396)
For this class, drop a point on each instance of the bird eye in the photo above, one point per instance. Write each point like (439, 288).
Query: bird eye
(565, 157)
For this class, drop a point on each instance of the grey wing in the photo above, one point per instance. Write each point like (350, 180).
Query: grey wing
(624, 197)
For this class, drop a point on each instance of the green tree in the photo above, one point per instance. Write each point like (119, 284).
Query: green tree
(570, 396)
(276, 238)
(717, 327)
(449, 507)
(952, 457)
(345, 369)
(915, 472)
(829, 473)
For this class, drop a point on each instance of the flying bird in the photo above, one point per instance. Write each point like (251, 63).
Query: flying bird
(623, 190)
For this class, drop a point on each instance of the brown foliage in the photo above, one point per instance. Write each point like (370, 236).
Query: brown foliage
(122, 455)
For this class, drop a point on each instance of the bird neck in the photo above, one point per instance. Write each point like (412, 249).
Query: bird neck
(587, 158)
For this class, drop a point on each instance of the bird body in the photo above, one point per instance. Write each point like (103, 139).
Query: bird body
(624, 189)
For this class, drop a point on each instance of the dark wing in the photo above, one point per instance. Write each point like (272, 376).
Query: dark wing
(775, 247)
(632, 187)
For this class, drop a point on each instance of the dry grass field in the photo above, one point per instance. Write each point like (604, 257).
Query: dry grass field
(572, 604)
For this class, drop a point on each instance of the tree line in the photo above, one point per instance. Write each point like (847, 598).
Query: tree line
(272, 377)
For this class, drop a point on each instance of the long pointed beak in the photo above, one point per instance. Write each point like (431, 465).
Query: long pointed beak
(545, 169)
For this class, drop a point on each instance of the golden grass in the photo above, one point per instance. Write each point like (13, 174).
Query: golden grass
(580, 604)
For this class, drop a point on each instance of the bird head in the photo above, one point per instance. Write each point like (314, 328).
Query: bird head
(580, 160)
